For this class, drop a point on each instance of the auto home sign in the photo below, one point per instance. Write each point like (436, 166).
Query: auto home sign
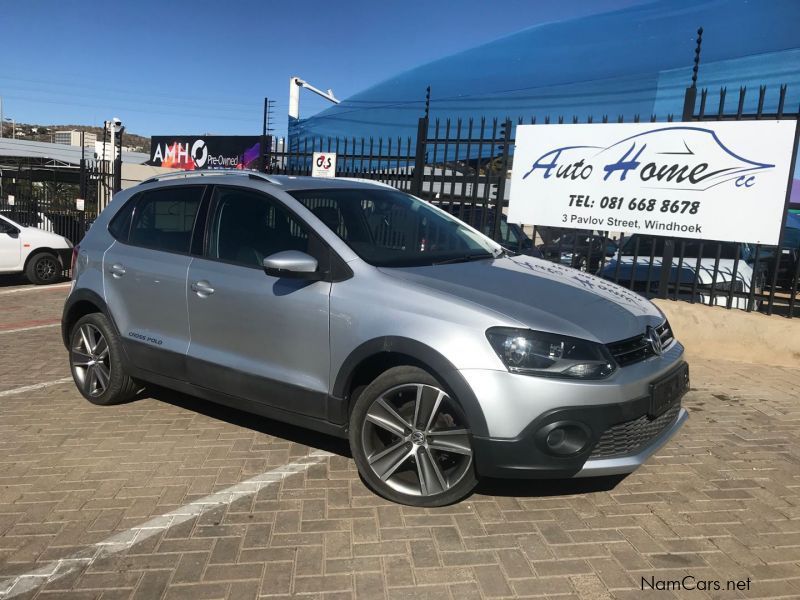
(712, 180)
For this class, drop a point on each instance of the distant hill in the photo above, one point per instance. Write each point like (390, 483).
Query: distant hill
(44, 133)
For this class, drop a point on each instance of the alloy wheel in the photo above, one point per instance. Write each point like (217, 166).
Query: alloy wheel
(90, 360)
(416, 440)
(46, 268)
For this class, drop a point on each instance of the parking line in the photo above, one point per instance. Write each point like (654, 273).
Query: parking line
(38, 288)
(20, 584)
(35, 386)
(31, 328)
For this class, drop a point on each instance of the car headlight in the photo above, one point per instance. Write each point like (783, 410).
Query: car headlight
(550, 355)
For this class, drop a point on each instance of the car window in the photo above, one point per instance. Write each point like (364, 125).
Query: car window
(164, 218)
(6, 227)
(248, 226)
(120, 225)
(391, 229)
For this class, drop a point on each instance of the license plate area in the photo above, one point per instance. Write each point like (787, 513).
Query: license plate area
(665, 392)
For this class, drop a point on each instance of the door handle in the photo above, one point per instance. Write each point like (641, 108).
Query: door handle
(202, 288)
(117, 270)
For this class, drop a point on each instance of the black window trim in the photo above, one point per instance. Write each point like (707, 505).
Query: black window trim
(136, 199)
(336, 268)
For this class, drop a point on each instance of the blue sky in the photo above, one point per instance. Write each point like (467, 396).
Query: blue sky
(205, 66)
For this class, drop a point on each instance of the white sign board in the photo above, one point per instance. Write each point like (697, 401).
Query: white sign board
(722, 180)
(324, 164)
(79, 203)
(11, 200)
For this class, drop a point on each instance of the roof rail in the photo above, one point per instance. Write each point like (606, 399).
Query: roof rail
(213, 172)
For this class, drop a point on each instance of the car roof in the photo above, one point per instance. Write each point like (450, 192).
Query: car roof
(285, 183)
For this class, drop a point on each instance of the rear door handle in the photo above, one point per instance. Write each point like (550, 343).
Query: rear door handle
(117, 270)
(202, 288)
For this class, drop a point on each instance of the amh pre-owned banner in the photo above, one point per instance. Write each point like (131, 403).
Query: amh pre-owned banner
(206, 152)
(711, 180)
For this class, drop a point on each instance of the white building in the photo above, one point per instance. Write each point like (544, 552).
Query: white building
(73, 138)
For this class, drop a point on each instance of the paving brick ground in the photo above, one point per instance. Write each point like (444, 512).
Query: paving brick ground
(720, 502)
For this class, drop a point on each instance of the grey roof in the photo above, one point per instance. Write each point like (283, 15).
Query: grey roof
(286, 182)
(59, 152)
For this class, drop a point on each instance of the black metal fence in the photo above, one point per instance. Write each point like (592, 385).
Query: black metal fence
(42, 193)
(463, 167)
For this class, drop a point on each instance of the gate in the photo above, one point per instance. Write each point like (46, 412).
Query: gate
(43, 194)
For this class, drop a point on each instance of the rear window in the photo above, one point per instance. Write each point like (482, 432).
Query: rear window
(120, 225)
(164, 218)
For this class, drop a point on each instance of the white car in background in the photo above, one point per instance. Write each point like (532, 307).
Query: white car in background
(41, 255)
(696, 275)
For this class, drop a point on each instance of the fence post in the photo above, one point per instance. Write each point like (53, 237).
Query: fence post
(419, 157)
(501, 182)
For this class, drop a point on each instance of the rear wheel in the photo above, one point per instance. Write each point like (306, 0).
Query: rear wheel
(411, 441)
(96, 363)
(43, 268)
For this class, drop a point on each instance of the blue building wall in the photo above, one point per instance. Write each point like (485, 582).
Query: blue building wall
(633, 61)
(637, 60)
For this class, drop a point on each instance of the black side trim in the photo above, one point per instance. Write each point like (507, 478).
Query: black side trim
(261, 390)
(242, 404)
(525, 456)
(438, 364)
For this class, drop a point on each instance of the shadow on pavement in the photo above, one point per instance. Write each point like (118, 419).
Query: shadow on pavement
(486, 487)
(546, 487)
(278, 429)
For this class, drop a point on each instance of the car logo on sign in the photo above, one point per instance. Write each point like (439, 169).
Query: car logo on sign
(655, 341)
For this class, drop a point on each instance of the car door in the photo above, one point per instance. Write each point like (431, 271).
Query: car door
(9, 246)
(262, 338)
(144, 275)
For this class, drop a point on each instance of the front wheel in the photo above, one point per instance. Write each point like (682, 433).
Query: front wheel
(43, 268)
(96, 362)
(411, 441)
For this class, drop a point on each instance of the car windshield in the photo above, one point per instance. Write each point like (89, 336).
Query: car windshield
(388, 228)
(691, 249)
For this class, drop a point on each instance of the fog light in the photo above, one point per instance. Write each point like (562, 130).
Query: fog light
(564, 438)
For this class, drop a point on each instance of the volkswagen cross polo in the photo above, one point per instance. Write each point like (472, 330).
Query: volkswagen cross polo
(360, 311)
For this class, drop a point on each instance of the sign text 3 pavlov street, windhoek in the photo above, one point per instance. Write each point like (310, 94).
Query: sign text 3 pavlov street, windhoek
(712, 180)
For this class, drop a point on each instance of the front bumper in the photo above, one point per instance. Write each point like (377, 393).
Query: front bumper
(618, 436)
(600, 467)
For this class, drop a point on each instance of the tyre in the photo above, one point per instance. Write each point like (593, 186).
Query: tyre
(43, 268)
(582, 264)
(95, 359)
(411, 441)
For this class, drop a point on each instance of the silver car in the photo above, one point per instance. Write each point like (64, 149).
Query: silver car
(359, 311)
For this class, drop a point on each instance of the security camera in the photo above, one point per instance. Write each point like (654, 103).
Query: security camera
(117, 123)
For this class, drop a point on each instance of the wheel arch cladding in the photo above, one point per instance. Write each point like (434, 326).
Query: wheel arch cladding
(391, 351)
(79, 304)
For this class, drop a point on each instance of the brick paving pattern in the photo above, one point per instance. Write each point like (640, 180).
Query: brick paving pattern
(721, 501)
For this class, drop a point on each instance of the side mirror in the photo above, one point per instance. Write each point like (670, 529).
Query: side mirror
(292, 264)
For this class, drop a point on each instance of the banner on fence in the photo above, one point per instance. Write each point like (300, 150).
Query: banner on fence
(722, 180)
(324, 164)
(206, 152)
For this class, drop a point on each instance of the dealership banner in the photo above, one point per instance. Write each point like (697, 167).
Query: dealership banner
(206, 151)
(721, 180)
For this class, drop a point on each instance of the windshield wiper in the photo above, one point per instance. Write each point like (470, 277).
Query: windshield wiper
(463, 258)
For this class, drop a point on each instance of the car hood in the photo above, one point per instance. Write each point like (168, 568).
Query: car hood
(541, 295)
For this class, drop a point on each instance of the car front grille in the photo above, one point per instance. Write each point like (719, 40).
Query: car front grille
(635, 349)
(630, 436)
